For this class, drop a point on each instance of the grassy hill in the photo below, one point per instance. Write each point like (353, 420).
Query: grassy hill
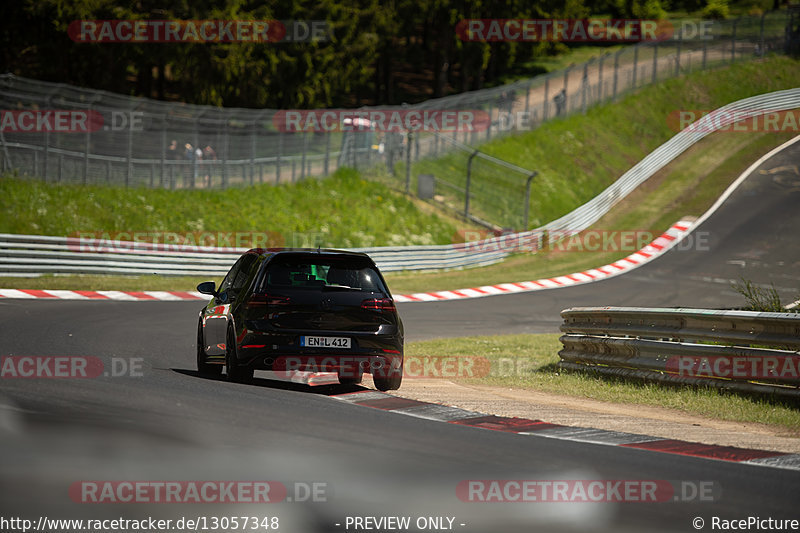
(579, 156)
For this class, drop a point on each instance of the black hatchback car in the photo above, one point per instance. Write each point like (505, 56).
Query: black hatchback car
(301, 310)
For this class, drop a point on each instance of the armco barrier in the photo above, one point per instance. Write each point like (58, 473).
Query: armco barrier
(31, 255)
(738, 350)
(40, 254)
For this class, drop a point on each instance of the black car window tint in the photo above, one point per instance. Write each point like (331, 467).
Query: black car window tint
(341, 276)
(228, 280)
(279, 275)
(241, 277)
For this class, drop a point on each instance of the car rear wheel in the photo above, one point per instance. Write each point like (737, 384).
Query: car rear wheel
(391, 382)
(235, 372)
(203, 367)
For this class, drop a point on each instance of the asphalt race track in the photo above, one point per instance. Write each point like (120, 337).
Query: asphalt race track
(151, 418)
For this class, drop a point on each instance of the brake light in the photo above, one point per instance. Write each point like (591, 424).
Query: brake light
(260, 300)
(379, 304)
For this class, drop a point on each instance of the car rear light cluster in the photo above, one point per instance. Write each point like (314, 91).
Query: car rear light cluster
(379, 304)
(264, 299)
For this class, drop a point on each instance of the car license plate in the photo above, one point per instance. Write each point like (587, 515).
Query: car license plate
(325, 342)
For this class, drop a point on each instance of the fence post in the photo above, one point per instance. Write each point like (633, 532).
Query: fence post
(678, 53)
(489, 127)
(469, 178)
(327, 152)
(584, 85)
(600, 78)
(616, 74)
(409, 137)
(546, 97)
(278, 160)
(566, 90)
(129, 173)
(528, 200)
(225, 146)
(253, 152)
(303, 158)
(86, 150)
(733, 41)
(46, 154)
(761, 36)
(163, 151)
(635, 64)
(528, 97)
(655, 62)
(705, 51)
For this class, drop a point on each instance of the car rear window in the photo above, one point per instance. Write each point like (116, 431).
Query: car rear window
(328, 272)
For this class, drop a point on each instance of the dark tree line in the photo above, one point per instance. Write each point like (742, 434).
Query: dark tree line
(382, 51)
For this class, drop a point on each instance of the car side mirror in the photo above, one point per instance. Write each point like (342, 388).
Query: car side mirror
(207, 287)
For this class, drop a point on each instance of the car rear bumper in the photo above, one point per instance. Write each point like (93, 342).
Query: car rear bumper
(369, 352)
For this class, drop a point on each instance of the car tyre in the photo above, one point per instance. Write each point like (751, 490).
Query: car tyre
(391, 382)
(204, 368)
(234, 371)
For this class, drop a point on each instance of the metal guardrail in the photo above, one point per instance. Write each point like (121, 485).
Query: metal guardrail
(745, 351)
(40, 254)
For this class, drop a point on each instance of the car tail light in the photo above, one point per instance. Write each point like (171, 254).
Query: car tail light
(379, 304)
(264, 299)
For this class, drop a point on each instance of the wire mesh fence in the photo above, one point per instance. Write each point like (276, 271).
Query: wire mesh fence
(65, 134)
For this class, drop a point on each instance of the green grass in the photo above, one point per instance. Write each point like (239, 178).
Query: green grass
(528, 362)
(579, 156)
(340, 211)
